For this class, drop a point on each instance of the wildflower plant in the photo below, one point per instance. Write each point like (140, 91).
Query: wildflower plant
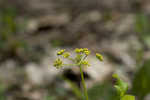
(122, 88)
(79, 61)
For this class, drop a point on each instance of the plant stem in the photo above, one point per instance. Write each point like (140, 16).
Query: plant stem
(83, 83)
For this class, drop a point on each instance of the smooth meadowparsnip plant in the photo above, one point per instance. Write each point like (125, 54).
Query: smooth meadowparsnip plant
(79, 60)
(122, 88)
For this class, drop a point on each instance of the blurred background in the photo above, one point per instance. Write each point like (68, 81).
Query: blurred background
(31, 31)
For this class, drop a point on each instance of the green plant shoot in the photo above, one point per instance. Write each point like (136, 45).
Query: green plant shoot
(122, 88)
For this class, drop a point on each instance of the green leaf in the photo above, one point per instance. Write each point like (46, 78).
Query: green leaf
(141, 81)
(142, 26)
(102, 91)
(120, 86)
(128, 97)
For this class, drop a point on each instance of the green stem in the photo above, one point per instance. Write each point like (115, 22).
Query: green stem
(83, 83)
(69, 64)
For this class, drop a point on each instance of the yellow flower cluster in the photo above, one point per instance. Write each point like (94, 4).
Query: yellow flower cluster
(61, 52)
(81, 55)
(58, 63)
(82, 50)
(99, 56)
(86, 51)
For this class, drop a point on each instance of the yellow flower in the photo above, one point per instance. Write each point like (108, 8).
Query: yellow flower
(66, 55)
(85, 63)
(61, 52)
(81, 50)
(77, 50)
(58, 63)
(86, 51)
(99, 56)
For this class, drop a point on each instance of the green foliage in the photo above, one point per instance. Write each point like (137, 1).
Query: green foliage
(142, 26)
(122, 88)
(102, 91)
(57, 94)
(12, 41)
(9, 41)
(50, 98)
(139, 56)
(2, 89)
(75, 89)
(128, 97)
(8, 23)
(141, 82)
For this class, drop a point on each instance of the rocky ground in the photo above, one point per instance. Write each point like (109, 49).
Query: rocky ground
(105, 26)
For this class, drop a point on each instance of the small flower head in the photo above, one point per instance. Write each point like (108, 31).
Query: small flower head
(61, 52)
(86, 51)
(86, 63)
(58, 63)
(82, 50)
(66, 55)
(99, 56)
(77, 50)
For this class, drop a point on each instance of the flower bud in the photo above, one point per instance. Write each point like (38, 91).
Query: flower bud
(58, 63)
(99, 56)
(61, 52)
(66, 55)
